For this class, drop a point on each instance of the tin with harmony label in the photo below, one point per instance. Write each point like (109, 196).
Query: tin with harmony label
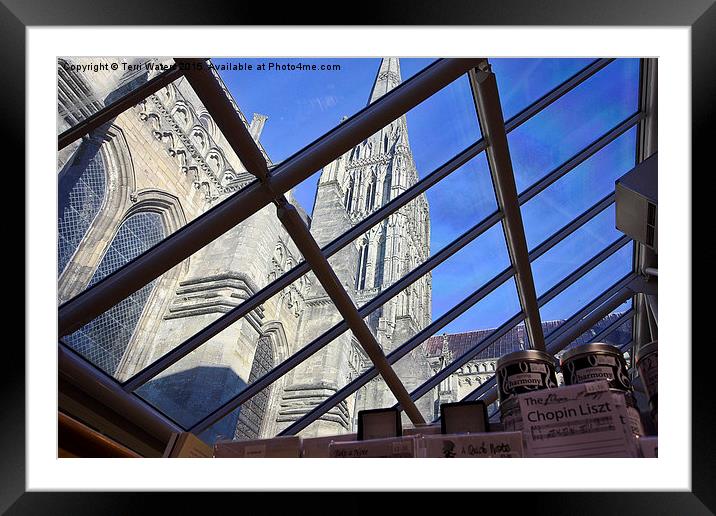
(593, 362)
(524, 371)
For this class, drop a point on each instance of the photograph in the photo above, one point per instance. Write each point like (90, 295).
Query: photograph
(422, 230)
(312, 257)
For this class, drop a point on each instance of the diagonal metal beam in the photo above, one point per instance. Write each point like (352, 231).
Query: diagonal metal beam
(207, 227)
(217, 326)
(400, 352)
(299, 232)
(118, 107)
(489, 109)
(452, 314)
(247, 306)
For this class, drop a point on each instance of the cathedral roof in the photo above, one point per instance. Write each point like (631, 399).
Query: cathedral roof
(459, 343)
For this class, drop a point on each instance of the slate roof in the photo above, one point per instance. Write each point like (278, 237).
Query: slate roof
(516, 338)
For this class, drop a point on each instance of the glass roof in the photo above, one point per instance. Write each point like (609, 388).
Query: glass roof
(245, 323)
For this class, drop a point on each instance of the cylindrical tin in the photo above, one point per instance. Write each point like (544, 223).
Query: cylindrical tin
(637, 427)
(524, 371)
(594, 362)
(647, 363)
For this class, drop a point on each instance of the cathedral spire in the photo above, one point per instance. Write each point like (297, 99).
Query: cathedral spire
(388, 78)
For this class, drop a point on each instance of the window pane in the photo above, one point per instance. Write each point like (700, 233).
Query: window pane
(577, 191)
(523, 81)
(394, 323)
(588, 287)
(574, 121)
(578, 248)
(394, 247)
(165, 155)
(452, 341)
(295, 394)
(204, 287)
(224, 366)
(392, 159)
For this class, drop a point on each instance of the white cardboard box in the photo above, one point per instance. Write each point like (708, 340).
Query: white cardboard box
(394, 447)
(317, 447)
(483, 445)
(422, 430)
(278, 447)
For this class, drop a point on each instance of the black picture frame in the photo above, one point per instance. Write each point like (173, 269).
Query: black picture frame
(387, 415)
(446, 419)
(700, 15)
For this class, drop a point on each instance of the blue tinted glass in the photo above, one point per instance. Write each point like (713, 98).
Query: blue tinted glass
(467, 270)
(588, 287)
(522, 81)
(574, 121)
(577, 191)
(302, 106)
(569, 254)
(460, 201)
(490, 312)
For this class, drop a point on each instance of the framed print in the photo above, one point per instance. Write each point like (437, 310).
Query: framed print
(267, 231)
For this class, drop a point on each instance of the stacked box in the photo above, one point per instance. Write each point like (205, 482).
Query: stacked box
(393, 447)
(317, 447)
(428, 429)
(483, 445)
(278, 447)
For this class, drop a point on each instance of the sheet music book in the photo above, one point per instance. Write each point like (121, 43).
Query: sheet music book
(585, 420)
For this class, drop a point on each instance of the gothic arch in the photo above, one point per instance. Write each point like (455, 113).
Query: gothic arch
(182, 115)
(200, 139)
(209, 124)
(142, 349)
(119, 181)
(272, 335)
(216, 160)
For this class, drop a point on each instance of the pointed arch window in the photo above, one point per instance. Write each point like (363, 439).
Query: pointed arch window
(253, 411)
(104, 340)
(348, 201)
(78, 207)
(370, 195)
(362, 267)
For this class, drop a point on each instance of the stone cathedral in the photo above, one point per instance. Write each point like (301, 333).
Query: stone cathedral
(162, 163)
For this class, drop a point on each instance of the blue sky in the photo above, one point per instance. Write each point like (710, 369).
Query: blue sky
(301, 106)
